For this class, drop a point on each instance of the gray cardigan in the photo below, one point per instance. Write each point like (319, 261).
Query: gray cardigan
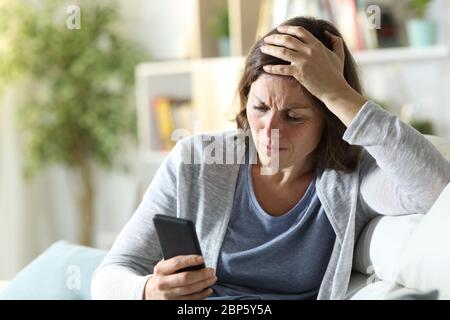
(399, 172)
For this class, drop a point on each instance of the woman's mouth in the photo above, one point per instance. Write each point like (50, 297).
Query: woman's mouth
(270, 149)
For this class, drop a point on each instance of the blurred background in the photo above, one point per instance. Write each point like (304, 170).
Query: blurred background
(91, 92)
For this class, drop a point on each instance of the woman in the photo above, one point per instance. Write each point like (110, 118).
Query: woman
(333, 161)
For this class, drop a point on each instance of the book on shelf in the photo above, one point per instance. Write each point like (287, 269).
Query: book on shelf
(167, 114)
(349, 16)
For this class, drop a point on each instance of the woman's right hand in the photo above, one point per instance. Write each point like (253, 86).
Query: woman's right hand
(165, 284)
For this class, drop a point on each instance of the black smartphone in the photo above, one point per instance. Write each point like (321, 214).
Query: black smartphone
(177, 237)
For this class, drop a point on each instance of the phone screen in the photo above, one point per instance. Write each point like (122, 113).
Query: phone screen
(177, 237)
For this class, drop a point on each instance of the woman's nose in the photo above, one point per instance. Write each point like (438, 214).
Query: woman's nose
(273, 121)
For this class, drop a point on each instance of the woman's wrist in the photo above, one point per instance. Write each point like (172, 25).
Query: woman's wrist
(345, 103)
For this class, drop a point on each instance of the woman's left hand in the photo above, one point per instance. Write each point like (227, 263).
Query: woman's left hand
(317, 68)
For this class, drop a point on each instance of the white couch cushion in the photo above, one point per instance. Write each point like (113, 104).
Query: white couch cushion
(383, 290)
(357, 282)
(425, 263)
(377, 290)
(380, 244)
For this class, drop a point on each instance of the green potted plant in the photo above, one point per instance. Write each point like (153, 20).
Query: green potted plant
(221, 31)
(78, 113)
(421, 31)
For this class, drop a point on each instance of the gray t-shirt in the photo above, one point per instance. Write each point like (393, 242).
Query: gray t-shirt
(272, 257)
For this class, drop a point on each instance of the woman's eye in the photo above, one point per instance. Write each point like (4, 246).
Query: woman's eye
(260, 108)
(292, 118)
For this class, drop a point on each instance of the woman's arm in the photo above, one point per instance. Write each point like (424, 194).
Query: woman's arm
(402, 172)
(126, 268)
(112, 282)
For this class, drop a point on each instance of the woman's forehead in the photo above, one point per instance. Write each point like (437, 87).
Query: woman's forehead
(267, 87)
(275, 79)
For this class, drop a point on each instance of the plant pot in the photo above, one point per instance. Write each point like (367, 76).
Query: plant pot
(224, 46)
(421, 33)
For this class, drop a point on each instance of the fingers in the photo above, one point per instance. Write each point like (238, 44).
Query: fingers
(196, 296)
(306, 37)
(195, 287)
(167, 284)
(170, 266)
(338, 45)
(189, 277)
(300, 32)
(280, 52)
(287, 41)
(284, 70)
(185, 284)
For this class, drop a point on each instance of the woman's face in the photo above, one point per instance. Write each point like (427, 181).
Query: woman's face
(280, 102)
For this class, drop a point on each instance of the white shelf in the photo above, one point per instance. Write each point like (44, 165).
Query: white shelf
(163, 68)
(375, 56)
(403, 54)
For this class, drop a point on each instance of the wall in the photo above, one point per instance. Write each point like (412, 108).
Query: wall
(422, 87)
(164, 28)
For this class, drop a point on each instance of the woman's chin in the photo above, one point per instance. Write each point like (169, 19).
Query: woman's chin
(277, 159)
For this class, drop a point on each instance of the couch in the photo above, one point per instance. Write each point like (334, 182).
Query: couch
(402, 257)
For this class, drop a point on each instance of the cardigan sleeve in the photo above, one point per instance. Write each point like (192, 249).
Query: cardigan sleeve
(126, 268)
(401, 172)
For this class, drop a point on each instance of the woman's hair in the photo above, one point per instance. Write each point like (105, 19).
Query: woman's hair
(332, 152)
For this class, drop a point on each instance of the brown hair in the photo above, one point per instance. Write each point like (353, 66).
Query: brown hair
(332, 152)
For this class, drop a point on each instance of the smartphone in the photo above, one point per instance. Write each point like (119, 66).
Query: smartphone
(177, 237)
